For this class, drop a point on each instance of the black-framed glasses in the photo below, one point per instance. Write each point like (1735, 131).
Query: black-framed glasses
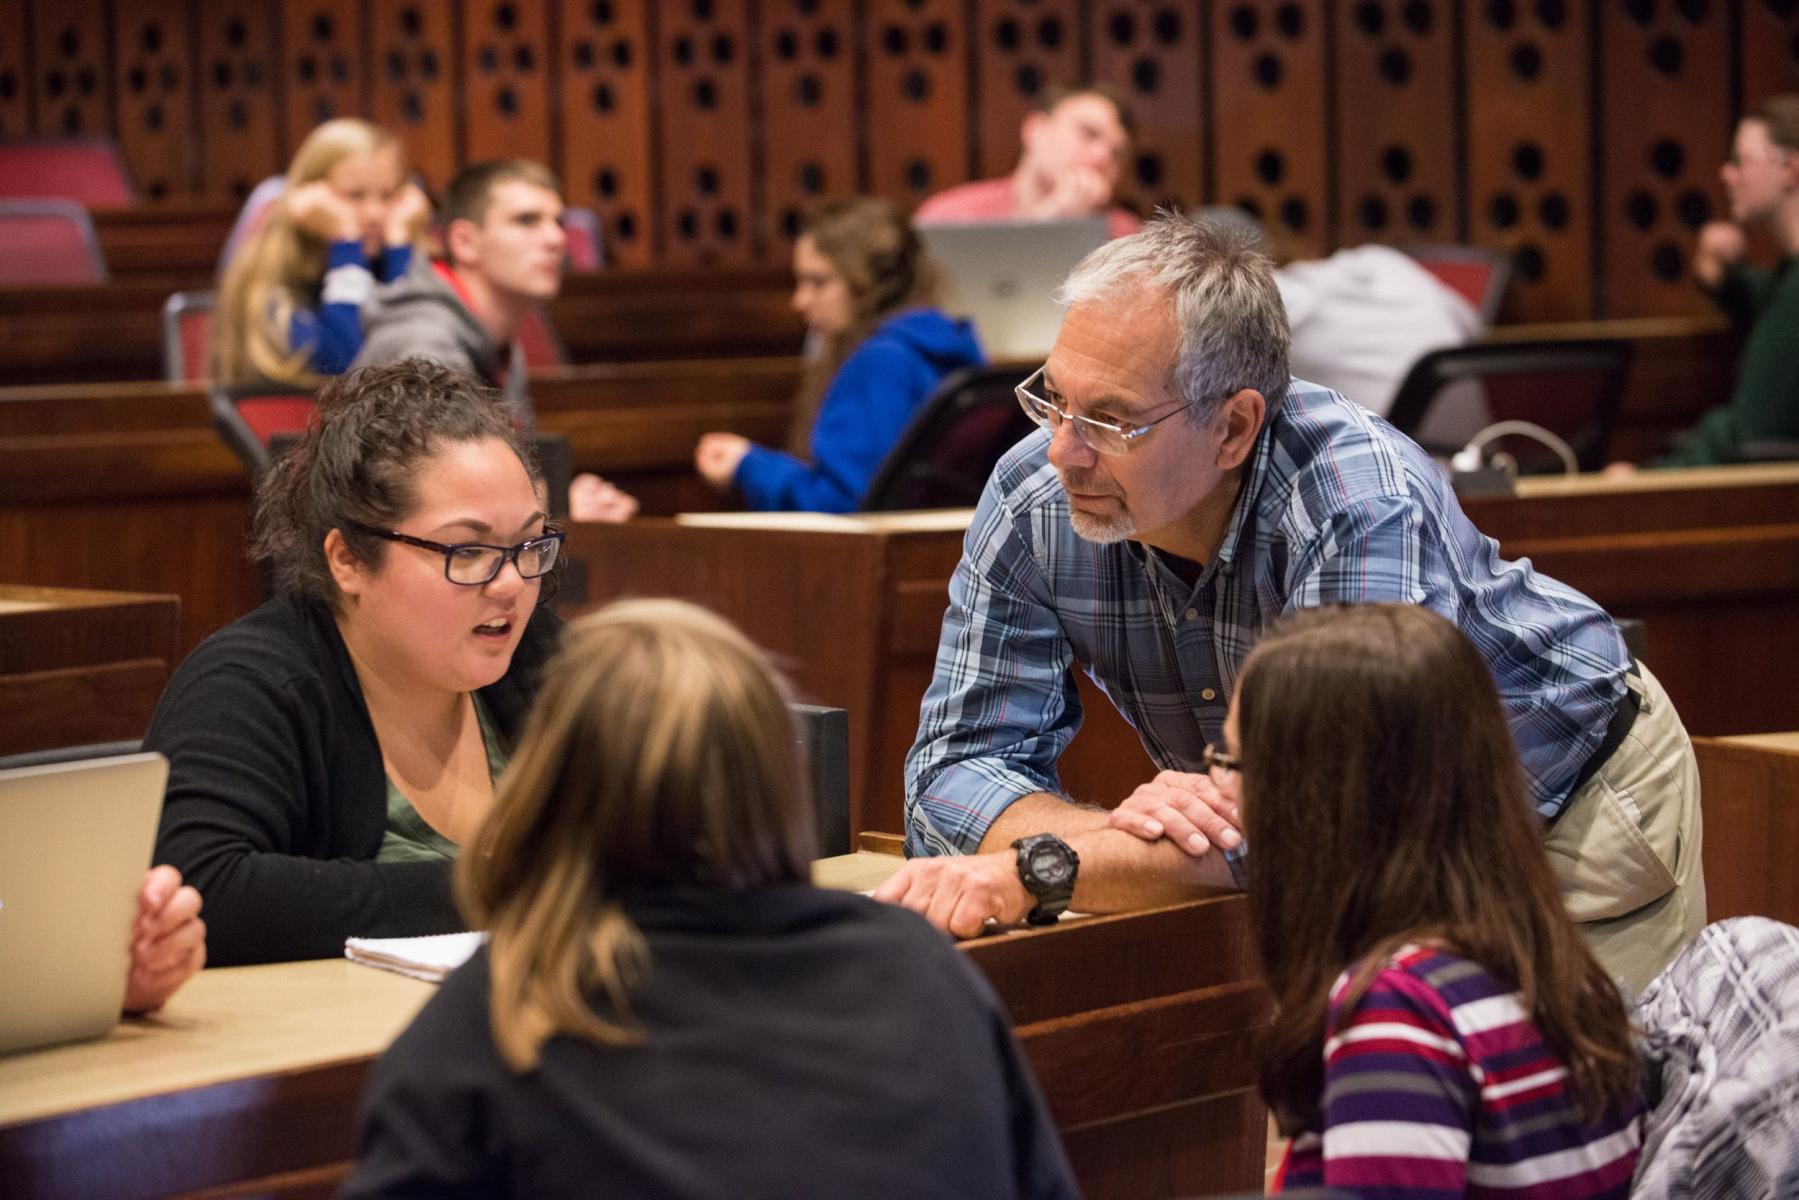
(1220, 760)
(472, 564)
(1103, 437)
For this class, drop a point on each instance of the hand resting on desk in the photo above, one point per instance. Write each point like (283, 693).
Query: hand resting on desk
(168, 942)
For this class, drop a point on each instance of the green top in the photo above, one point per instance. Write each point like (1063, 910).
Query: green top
(1765, 404)
(408, 837)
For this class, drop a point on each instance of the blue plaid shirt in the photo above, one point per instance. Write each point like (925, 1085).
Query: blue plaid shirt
(1336, 508)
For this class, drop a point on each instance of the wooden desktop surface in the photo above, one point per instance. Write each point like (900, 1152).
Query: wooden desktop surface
(247, 1083)
(233, 1023)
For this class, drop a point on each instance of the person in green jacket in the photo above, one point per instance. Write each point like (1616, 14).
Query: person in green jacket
(1762, 180)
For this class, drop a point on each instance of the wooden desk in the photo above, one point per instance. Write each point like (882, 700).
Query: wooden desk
(248, 1082)
(1707, 559)
(1749, 794)
(127, 486)
(113, 331)
(852, 608)
(78, 667)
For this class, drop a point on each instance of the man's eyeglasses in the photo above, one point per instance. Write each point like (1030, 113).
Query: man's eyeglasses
(473, 564)
(1103, 437)
(1218, 761)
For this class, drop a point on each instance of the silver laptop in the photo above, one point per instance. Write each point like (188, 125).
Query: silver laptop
(75, 840)
(1003, 276)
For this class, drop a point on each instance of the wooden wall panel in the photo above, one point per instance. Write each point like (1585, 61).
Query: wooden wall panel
(1770, 50)
(917, 97)
(72, 72)
(1397, 118)
(810, 113)
(239, 124)
(1269, 100)
(505, 72)
(325, 72)
(703, 50)
(1150, 50)
(15, 95)
(1020, 46)
(608, 128)
(1666, 128)
(153, 50)
(1529, 177)
(414, 43)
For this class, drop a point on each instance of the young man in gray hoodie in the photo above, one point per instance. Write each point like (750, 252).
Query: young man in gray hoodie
(504, 243)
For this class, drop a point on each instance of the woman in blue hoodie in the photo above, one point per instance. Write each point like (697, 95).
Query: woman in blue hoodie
(865, 289)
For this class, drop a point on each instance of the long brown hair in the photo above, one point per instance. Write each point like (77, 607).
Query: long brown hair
(660, 753)
(280, 264)
(1384, 802)
(874, 249)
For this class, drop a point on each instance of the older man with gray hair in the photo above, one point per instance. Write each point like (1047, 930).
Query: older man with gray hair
(1183, 493)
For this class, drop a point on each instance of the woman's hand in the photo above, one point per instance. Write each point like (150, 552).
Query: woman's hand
(168, 943)
(591, 498)
(317, 208)
(407, 214)
(717, 456)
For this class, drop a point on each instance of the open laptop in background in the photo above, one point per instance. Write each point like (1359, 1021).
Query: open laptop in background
(1003, 276)
(75, 840)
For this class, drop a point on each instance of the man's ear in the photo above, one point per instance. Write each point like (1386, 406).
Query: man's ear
(462, 242)
(347, 571)
(1239, 420)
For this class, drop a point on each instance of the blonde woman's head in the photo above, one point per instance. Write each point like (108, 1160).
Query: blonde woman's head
(660, 754)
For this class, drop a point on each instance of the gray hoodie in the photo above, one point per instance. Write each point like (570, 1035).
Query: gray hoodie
(419, 315)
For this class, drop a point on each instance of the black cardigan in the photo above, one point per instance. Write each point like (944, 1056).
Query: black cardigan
(277, 798)
(796, 1043)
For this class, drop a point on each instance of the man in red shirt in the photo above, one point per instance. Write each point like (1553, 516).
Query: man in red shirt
(1076, 143)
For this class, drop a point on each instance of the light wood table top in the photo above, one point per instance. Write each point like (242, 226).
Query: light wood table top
(1766, 741)
(234, 1023)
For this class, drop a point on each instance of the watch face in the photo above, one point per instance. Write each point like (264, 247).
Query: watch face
(1049, 864)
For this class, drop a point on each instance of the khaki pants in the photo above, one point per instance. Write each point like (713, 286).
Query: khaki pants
(1626, 850)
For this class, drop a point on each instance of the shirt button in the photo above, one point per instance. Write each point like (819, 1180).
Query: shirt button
(1208, 694)
(1193, 614)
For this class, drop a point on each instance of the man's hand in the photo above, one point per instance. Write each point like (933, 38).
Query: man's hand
(959, 894)
(1074, 192)
(407, 214)
(717, 456)
(317, 208)
(591, 498)
(1188, 809)
(168, 943)
(1720, 245)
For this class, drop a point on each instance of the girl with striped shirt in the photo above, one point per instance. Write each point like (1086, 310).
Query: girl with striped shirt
(1441, 1030)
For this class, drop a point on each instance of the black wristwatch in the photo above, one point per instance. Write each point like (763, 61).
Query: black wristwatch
(1047, 866)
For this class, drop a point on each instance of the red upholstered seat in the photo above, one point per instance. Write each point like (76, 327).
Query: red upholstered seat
(1475, 273)
(88, 171)
(186, 330)
(48, 241)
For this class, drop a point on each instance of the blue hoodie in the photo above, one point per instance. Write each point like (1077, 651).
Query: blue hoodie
(869, 403)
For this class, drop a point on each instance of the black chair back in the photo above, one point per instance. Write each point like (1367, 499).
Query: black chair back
(1572, 388)
(943, 458)
(824, 737)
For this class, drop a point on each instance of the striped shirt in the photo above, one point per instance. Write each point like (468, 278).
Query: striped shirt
(1438, 1084)
(1335, 507)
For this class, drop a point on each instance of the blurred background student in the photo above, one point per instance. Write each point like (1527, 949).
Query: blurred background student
(290, 305)
(666, 1006)
(1441, 1028)
(866, 290)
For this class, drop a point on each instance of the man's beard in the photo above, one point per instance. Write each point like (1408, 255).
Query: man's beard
(1104, 528)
